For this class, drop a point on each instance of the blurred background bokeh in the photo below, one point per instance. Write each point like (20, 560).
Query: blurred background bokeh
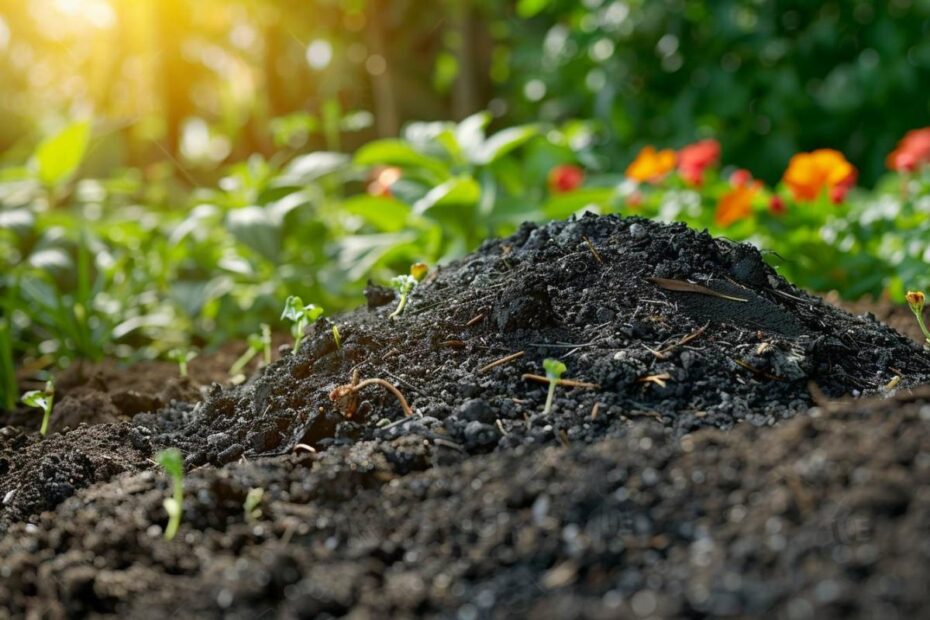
(205, 82)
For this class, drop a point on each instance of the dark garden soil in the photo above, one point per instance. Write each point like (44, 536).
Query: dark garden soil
(708, 469)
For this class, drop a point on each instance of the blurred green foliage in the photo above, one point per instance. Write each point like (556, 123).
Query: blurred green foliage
(767, 78)
(213, 81)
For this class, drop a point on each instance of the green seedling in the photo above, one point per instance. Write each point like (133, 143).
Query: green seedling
(173, 464)
(182, 357)
(336, 337)
(554, 370)
(916, 300)
(405, 284)
(258, 343)
(44, 400)
(252, 504)
(302, 316)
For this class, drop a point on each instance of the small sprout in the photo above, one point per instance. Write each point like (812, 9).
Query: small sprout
(302, 316)
(258, 343)
(252, 504)
(44, 400)
(173, 464)
(405, 284)
(554, 370)
(182, 357)
(266, 342)
(336, 337)
(916, 300)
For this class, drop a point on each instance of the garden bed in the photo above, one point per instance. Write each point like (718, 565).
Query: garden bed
(674, 482)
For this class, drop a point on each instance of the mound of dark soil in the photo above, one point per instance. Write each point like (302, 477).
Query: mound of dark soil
(628, 497)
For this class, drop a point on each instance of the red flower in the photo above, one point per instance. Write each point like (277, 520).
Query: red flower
(740, 177)
(565, 178)
(912, 151)
(777, 205)
(635, 200)
(695, 158)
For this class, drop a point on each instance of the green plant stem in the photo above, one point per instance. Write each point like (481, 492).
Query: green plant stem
(45, 417)
(266, 339)
(550, 397)
(920, 321)
(174, 519)
(243, 361)
(400, 307)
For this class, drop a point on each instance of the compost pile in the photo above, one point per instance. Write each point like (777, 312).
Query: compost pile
(674, 481)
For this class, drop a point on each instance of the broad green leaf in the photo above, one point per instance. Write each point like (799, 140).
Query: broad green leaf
(531, 8)
(385, 214)
(503, 142)
(561, 206)
(458, 191)
(470, 133)
(393, 152)
(257, 228)
(359, 254)
(308, 168)
(58, 157)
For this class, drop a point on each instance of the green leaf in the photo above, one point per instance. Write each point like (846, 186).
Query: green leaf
(503, 142)
(257, 228)
(561, 206)
(58, 157)
(461, 190)
(393, 152)
(385, 214)
(531, 8)
(36, 398)
(554, 368)
(172, 462)
(308, 168)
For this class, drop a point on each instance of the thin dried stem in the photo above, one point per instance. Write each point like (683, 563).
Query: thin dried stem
(343, 391)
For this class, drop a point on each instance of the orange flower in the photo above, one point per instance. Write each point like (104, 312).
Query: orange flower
(809, 174)
(912, 151)
(651, 166)
(381, 181)
(735, 205)
(695, 158)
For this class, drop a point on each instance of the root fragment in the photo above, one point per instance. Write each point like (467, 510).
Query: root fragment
(346, 396)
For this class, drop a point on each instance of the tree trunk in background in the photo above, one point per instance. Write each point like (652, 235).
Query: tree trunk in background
(274, 91)
(171, 17)
(382, 84)
(464, 96)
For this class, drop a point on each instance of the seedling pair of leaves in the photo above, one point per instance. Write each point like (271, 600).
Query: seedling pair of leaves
(258, 343)
(44, 400)
(181, 357)
(173, 464)
(301, 316)
(405, 284)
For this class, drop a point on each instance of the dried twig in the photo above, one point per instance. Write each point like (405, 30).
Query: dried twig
(659, 379)
(562, 382)
(346, 396)
(683, 286)
(501, 361)
(477, 319)
(594, 251)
